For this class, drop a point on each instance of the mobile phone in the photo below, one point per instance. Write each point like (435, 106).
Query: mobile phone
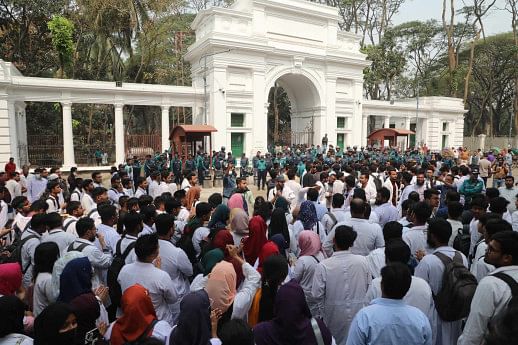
(91, 337)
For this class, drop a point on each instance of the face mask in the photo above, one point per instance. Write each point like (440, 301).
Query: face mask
(66, 338)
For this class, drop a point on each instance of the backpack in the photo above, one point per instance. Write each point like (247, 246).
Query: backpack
(92, 211)
(144, 335)
(333, 218)
(462, 240)
(16, 251)
(504, 318)
(68, 224)
(78, 249)
(119, 260)
(377, 182)
(453, 300)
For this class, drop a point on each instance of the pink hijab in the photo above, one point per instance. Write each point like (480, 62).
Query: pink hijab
(10, 278)
(309, 243)
(236, 201)
(221, 286)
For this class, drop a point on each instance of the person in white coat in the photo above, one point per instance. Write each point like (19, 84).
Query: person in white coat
(340, 285)
(145, 272)
(368, 187)
(431, 269)
(493, 293)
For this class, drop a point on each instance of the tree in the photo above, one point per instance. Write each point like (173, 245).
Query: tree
(512, 7)
(62, 30)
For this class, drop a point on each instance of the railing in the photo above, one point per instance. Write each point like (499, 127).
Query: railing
(45, 150)
(141, 145)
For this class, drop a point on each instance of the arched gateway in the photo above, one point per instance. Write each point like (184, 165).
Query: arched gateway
(256, 44)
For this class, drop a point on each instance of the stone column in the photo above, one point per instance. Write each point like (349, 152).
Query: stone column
(481, 141)
(165, 127)
(407, 123)
(260, 112)
(386, 123)
(119, 134)
(365, 120)
(68, 136)
(13, 133)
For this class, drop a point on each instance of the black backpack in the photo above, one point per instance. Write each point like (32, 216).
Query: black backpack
(505, 318)
(78, 249)
(453, 300)
(16, 251)
(462, 240)
(119, 260)
(377, 182)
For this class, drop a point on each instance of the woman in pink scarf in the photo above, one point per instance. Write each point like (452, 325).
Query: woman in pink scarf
(310, 255)
(236, 201)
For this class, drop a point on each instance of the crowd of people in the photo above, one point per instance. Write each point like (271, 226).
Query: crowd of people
(365, 246)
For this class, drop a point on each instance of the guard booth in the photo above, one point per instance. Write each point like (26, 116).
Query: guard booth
(186, 139)
(390, 137)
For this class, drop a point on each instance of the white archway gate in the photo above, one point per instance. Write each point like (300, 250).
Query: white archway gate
(242, 51)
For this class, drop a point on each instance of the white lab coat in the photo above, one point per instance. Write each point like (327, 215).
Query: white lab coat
(339, 288)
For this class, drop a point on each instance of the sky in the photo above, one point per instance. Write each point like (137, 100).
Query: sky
(499, 19)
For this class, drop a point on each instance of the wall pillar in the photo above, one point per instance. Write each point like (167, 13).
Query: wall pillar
(68, 136)
(119, 134)
(365, 120)
(356, 137)
(165, 127)
(21, 130)
(482, 142)
(386, 122)
(407, 123)
(260, 113)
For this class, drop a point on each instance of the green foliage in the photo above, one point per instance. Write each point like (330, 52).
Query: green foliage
(62, 30)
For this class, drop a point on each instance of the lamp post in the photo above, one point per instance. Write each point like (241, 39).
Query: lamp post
(416, 111)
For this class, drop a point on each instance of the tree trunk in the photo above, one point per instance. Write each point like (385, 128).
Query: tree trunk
(470, 67)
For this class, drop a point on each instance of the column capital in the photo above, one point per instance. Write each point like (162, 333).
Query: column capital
(66, 104)
(165, 107)
(118, 105)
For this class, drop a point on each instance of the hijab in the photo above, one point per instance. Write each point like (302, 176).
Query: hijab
(281, 243)
(193, 327)
(192, 194)
(236, 201)
(87, 311)
(58, 268)
(137, 314)
(308, 215)
(219, 218)
(12, 310)
(309, 243)
(221, 240)
(283, 204)
(10, 278)
(49, 322)
(210, 259)
(268, 249)
(239, 221)
(256, 240)
(278, 224)
(291, 324)
(221, 286)
(75, 280)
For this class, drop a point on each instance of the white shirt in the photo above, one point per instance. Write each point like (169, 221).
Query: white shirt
(419, 295)
(183, 215)
(42, 294)
(304, 273)
(125, 242)
(156, 281)
(61, 238)
(479, 268)
(16, 339)
(53, 204)
(3, 213)
(369, 237)
(376, 260)
(15, 189)
(491, 296)
(370, 192)
(176, 263)
(431, 269)
(339, 288)
(87, 202)
(287, 194)
(69, 225)
(139, 192)
(455, 227)
(154, 189)
(295, 187)
(198, 236)
(111, 236)
(76, 195)
(114, 195)
(415, 237)
(318, 228)
(386, 213)
(328, 223)
(27, 254)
